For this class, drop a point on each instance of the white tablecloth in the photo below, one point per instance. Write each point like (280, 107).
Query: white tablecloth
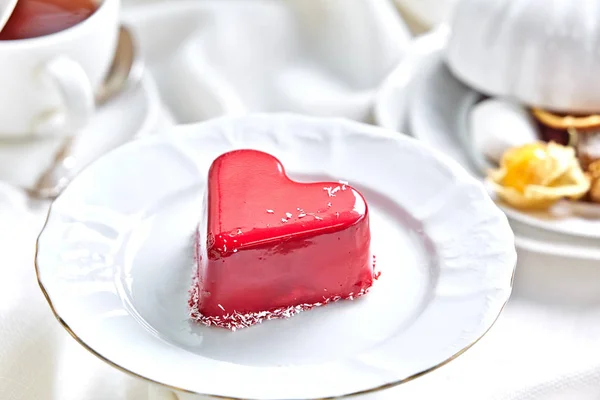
(323, 58)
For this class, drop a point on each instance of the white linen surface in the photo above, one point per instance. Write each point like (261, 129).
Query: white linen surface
(225, 57)
(218, 57)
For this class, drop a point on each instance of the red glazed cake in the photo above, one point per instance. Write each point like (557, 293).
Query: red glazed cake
(271, 247)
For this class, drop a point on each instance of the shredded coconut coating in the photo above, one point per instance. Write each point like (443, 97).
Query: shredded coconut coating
(236, 320)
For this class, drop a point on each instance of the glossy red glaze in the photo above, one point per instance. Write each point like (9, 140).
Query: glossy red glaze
(274, 243)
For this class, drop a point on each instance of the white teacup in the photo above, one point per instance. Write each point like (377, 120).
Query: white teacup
(47, 83)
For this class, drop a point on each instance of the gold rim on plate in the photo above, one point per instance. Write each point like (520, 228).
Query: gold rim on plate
(177, 389)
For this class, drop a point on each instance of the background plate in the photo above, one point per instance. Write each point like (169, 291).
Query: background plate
(441, 121)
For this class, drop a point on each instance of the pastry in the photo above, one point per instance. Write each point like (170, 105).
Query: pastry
(271, 247)
(581, 131)
(538, 175)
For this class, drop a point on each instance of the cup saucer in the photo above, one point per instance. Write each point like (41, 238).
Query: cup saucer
(133, 113)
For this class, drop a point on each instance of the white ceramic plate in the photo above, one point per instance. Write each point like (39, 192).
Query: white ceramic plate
(570, 224)
(567, 223)
(551, 243)
(441, 121)
(115, 262)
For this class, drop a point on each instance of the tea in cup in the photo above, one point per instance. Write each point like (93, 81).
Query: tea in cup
(34, 18)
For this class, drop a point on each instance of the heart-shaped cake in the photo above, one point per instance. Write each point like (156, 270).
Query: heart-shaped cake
(270, 247)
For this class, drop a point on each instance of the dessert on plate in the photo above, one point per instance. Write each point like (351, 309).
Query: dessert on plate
(269, 247)
(537, 175)
(543, 59)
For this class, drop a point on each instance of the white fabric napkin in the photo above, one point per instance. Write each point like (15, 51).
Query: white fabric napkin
(220, 57)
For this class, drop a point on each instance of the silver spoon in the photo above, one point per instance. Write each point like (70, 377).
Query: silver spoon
(125, 72)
